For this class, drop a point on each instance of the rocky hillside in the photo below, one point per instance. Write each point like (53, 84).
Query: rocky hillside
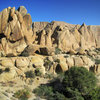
(49, 47)
(18, 33)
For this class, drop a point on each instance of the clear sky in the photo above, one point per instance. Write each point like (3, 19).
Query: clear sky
(70, 11)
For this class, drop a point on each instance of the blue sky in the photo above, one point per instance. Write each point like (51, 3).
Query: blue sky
(70, 11)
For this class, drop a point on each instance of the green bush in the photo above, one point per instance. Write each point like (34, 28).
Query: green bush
(73, 94)
(48, 93)
(97, 61)
(75, 84)
(23, 94)
(30, 74)
(57, 51)
(47, 63)
(59, 96)
(44, 91)
(95, 94)
(38, 72)
(79, 78)
(50, 76)
(57, 60)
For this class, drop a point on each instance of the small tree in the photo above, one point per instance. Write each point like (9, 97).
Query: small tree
(95, 94)
(80, 79)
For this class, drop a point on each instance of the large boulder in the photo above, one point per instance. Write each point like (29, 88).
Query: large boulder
(15, 30)
(22, 62)
(78, 61)
(30, 50)
(7, 63)
(38, 62)
(70, 61)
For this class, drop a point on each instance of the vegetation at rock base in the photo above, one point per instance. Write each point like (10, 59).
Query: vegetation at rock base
(57, 60)
(47, 63)
(97, 61)
(49, 75)
(79, 78)
(32, 74)
(57, 51)
(38, 72)
(75, 84)
(23, 94)
(95, 94)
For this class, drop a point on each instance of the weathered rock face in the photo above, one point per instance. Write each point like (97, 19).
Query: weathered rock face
(13, 67)
(18, 32)
(68, 37)
(31, 52)
(15, 25)
(20, 37)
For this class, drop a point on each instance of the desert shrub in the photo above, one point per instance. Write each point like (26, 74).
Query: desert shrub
(23, 94)
(47, 63)
(38, 72)
(91, 57)
(79, 78)
(30, 74)
(75, 84)
(44, 91)
(48, 75)
(97, 61)
(73, 94)
(57, 60)
(57, 51)
(94, 94)
(59, 96)
(48, 93)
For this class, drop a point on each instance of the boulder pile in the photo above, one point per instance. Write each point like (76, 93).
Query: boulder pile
(53, 47)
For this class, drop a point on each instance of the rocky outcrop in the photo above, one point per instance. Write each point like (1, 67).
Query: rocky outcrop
(13, 67)
(68, 37)
(32, 53)
(28, 44)
(17, 32)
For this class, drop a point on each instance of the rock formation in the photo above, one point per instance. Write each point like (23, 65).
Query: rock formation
(20, 37)
(52, 47)
(15, 31)
(16, 34)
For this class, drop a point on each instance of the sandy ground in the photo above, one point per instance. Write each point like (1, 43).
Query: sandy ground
(8, 89)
